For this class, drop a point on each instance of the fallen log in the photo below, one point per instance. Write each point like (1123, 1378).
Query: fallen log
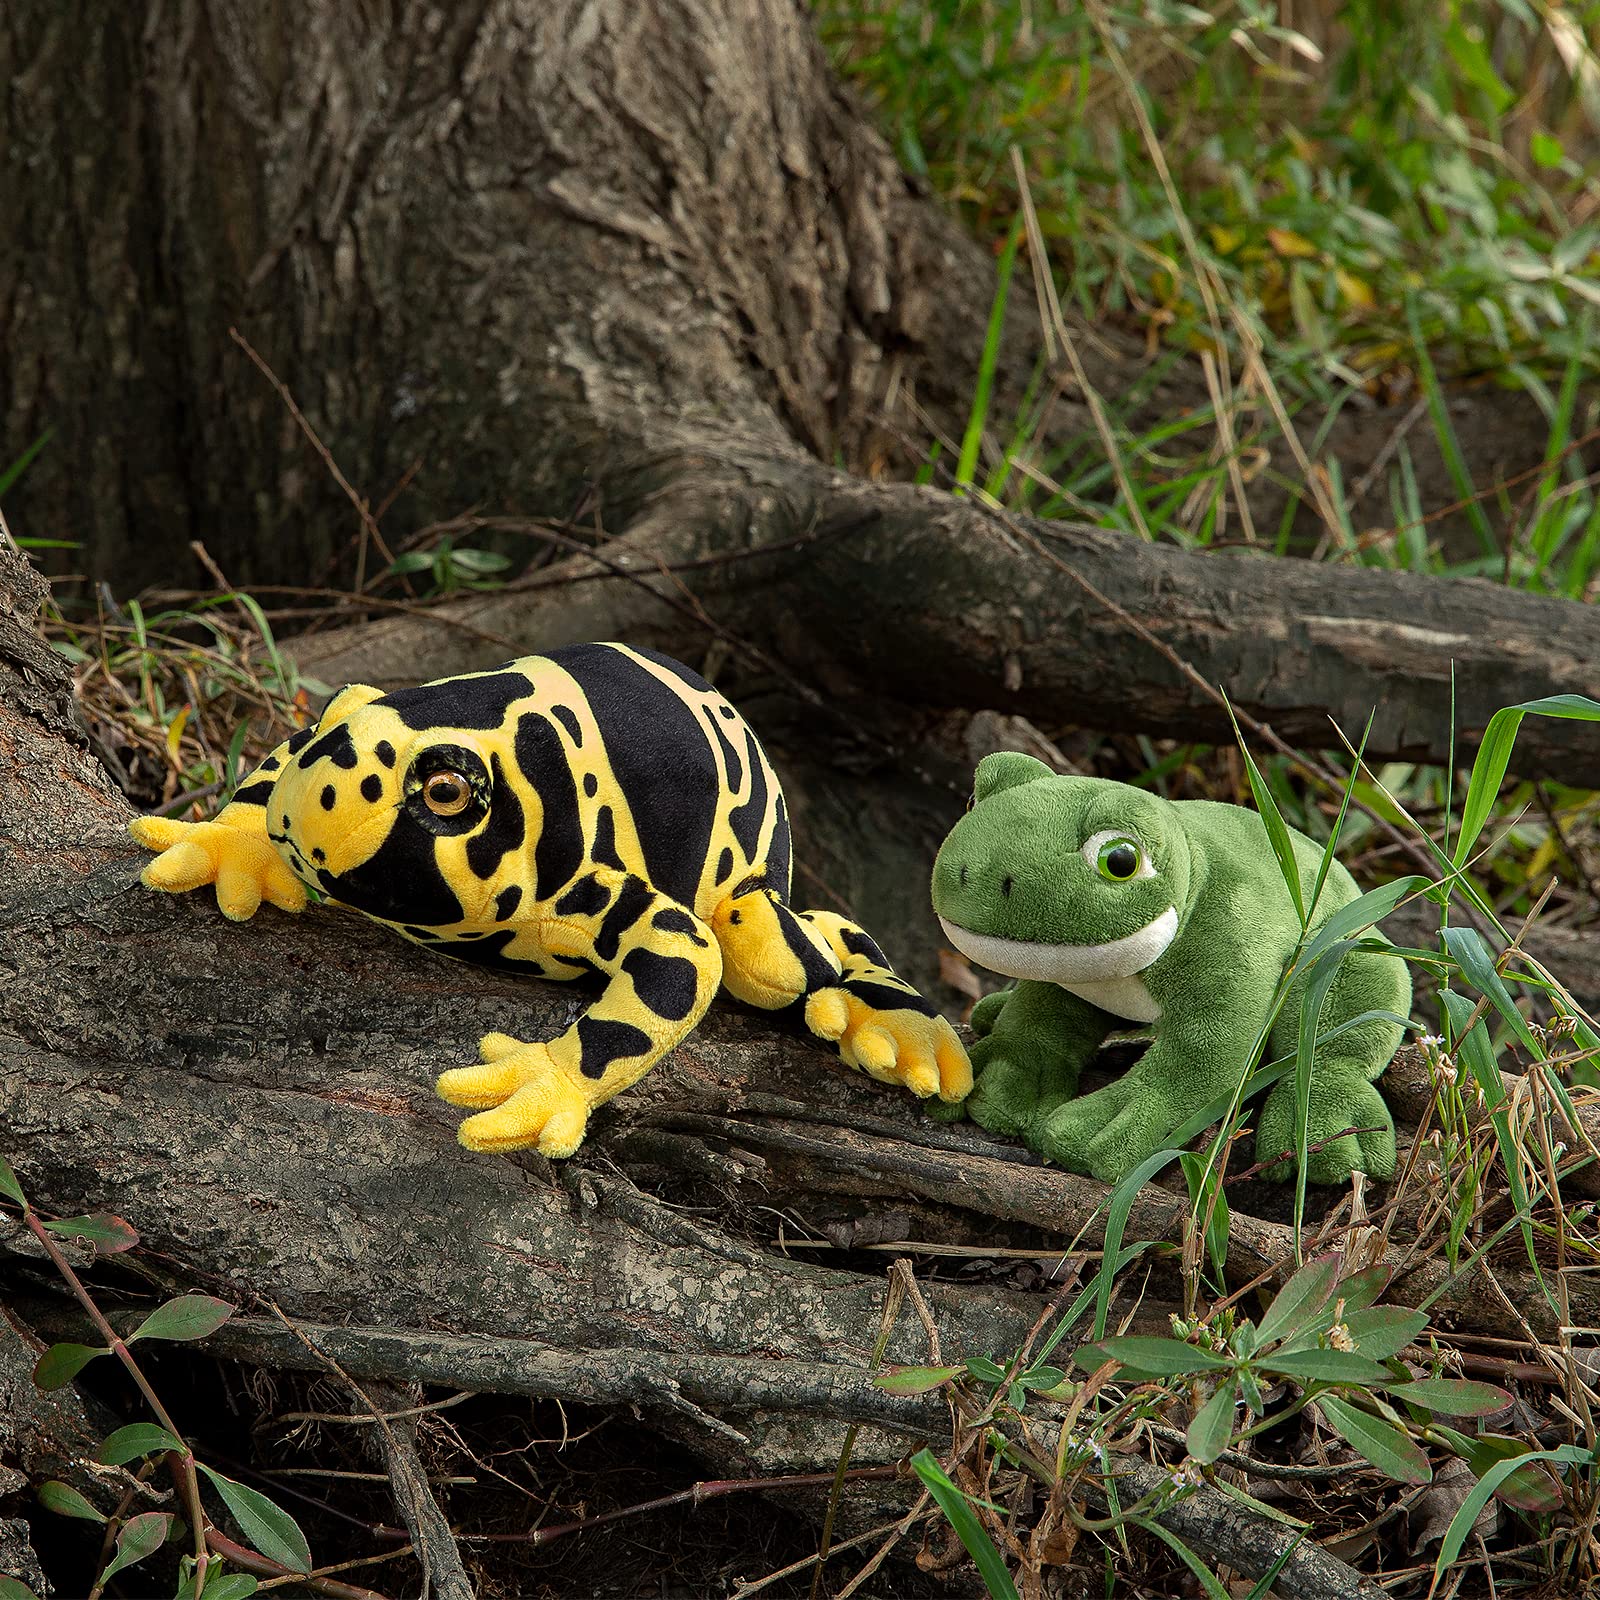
(877, 593)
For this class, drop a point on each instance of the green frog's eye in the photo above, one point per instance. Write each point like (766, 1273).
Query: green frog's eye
(1118, 857)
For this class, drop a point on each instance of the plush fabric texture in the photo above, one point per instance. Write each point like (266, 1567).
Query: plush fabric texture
(599, 809)
(1112, 906)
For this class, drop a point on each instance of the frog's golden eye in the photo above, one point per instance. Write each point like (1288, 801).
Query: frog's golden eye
(447, 794)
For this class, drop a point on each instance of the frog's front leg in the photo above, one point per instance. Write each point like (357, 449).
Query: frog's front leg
(1029, 1061)
(1196, 1056)
(663, 965)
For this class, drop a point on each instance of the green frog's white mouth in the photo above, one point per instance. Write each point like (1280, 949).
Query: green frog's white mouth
(1106, 975)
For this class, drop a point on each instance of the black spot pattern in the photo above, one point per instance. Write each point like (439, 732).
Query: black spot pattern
(400, 881)
(568, 718)
(659, 757)
(601, 1043)
(604, 850)
(674, 921)
(588, 897)
(820, 973)
(860, 943)
(298, 741)
(254, 794)
(724, 866)
(329, 797)
(424, 933)
(371, 788)
(490, 952)
(336, 746)
(668, 985)
(591, 785)
(506, 902)
(503, 833)
(269, 765)
(542, 761)
(480, 702)
(631, 903)
(730, 757)
(384, 751)
(884, 997)
(318, 853)
(780, 853)
(746, 820)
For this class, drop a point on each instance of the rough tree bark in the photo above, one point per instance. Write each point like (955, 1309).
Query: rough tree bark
(642, 258)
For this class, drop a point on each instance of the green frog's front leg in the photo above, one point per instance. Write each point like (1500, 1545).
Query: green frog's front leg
(1196, 1055)
(1029, 1061)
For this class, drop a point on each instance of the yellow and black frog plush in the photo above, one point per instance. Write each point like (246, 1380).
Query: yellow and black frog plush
(599, 809)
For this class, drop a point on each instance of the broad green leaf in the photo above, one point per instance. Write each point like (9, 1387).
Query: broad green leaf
(65, 1501)
(189, 1316)
(267, 1526)
(13, 1589)
(913, 1380)
(1461, 1523)
(1299, 1300)
(1454, 1397)
(1470, 953)
(108, 1234)
(1212, 1426)
(1529, 1488)
(139, 1537)
(1384, 1331)
(1326, 1366)
(1162, 1358)
(222, 1585)
(1040, 1380)
(985, 1370)
(1360, 1289)
(137, 1439)
(61, 1363)
(9, 1186)
(1385, 1446)
(1494, 756)
(969, 1530)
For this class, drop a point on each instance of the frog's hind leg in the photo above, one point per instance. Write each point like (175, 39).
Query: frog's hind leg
(840, 981)
(1342, 1089)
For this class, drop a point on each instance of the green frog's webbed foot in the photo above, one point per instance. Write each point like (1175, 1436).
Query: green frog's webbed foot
(1339, 1100)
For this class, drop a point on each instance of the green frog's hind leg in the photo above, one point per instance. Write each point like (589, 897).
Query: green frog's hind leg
(1343, 1094)
(776, 957)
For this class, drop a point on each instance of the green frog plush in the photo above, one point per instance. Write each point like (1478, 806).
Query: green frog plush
(1112, 906)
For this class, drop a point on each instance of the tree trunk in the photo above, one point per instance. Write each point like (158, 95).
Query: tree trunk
(520, 254)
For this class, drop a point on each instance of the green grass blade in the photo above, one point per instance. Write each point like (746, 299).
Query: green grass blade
(978, 417)
(1494, 756)
(969, 1530)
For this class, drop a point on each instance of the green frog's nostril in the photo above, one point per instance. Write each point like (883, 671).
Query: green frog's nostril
(963, 874)
(1007, 883)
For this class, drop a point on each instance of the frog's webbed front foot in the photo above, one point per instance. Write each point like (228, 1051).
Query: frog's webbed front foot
(534, 1100)
(1028, 1063)
(1108, 1133)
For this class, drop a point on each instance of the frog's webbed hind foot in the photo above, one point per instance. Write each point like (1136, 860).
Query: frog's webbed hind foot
(776, 957)
(1340, 1099)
